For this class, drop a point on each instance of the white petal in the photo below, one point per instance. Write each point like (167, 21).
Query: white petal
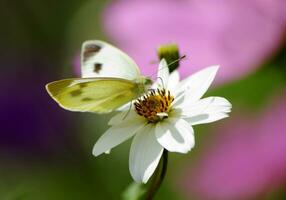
(125, 107)
(117, 118)
(175, 136)
(163, 73)
(179, 99)
(108, 151)
(117, 134)
(145, 154)
(196, 85)
(123, 116)
(173, 81)
(206, 118)
(206, 110)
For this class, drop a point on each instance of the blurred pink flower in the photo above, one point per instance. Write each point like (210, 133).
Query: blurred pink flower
(238, 35)
(246, 161)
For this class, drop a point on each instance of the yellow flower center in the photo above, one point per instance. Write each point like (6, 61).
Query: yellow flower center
(155, 105)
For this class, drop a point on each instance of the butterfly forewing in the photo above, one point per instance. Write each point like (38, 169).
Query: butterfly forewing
(101, 95)
(100, 59)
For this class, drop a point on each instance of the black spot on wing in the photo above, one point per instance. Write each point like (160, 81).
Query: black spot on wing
(83, 85)
(97, 67)
(86, 99)
(90, 50)
(75, 93)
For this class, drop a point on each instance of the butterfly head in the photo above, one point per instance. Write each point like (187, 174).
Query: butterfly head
(147, 82)
(144, 83)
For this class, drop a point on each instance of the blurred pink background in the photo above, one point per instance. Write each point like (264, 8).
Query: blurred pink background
(246, 158)
(238, 35)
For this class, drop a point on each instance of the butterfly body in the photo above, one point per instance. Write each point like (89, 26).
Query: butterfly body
(109, 80)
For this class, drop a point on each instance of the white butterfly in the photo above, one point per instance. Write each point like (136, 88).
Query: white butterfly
(110, 79)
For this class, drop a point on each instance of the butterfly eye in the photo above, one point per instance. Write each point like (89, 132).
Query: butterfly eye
(147, 81)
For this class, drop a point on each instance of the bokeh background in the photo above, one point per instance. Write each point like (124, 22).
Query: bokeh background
(45, 151)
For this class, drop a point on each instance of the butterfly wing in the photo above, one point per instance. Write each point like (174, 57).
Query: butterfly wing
(100, 59)
(101, 95)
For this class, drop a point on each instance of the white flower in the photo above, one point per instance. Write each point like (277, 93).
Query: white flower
(163, 118)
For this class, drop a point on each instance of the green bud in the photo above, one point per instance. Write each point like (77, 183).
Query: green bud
(171, 54)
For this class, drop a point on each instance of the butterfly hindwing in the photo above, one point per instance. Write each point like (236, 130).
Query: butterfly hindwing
(100, 59)
(99, 95)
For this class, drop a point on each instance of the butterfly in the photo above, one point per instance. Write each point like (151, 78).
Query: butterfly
(109, 79)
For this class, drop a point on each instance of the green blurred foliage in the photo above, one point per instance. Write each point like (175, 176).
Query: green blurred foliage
(134, 191)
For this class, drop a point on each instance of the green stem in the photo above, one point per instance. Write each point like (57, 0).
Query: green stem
(159, 176)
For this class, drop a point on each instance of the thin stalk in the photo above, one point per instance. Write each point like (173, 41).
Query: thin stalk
(159, 176)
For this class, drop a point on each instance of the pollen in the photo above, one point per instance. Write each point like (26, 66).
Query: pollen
(155, 105)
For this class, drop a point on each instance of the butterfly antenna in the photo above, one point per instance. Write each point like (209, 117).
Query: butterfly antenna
(179, 59)
(162, 81)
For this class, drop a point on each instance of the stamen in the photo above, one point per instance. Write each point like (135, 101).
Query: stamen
(155, 105)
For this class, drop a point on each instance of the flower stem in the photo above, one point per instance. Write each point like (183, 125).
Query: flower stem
(159, 176)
